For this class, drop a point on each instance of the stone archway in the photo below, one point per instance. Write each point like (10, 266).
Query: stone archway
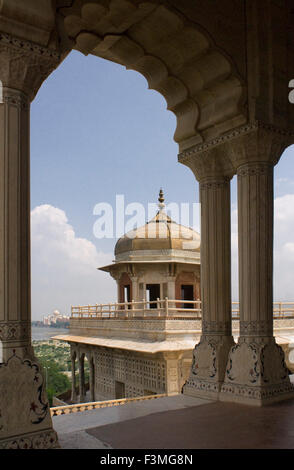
(177, 57)
(232, 117)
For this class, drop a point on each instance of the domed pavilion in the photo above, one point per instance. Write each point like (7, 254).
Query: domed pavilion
(142, 344)
(159, 260)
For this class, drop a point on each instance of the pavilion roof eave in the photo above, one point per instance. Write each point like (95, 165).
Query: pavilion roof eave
(131, 345)
(158, 261)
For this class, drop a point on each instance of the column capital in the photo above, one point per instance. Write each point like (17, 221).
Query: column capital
(252, 143)
(25, 65)
(263, 144)
(209, 164)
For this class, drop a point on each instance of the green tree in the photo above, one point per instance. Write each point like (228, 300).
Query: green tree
(56, 381)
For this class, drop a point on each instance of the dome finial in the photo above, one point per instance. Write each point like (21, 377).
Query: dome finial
(161, 204)
(161, 197)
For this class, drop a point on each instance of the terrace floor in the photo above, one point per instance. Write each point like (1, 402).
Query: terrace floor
(179, 422)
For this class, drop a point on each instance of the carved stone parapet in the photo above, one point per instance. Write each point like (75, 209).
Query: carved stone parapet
(24, 65)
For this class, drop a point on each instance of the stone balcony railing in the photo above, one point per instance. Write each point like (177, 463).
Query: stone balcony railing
(164, 308)
(68, 409)
(160, 320)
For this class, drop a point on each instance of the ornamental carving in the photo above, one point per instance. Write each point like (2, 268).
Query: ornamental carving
(233, 135)
(42, 440)
(255, 169)
(10, 331)
(206, 146)
(243, 365)
(257, 371)
(15, 98)
(264, 144)
(201, 386)
(25, 65)
(256, 328)
(251, 142)
(261, 395)
(138, 373)
(23, 404)
(211, 327)
(204, 360)
(211, 167)
(273, 368)
(214, 185)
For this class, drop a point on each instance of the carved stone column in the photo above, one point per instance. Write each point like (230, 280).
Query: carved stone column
(24, 410)
(172, 360)
(210, 355)
(135, 288)
(92, 378)
(256, 372)
(15, 319)
(73, 377)
(81, 378)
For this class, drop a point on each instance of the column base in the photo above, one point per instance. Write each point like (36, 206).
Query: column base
(25, 420)
(46, 439)
(74, 398)
(202, 389)
(257, 396)
(256, 373)
(208, 367)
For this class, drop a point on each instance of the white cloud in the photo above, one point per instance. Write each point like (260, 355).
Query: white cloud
(283, 249)
(234, 252)
(64, 267)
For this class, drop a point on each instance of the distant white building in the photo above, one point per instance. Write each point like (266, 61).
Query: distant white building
(55, 318)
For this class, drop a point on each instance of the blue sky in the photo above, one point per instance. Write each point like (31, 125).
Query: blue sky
(98, 131)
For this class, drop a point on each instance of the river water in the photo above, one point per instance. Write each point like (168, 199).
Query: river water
(43, 333)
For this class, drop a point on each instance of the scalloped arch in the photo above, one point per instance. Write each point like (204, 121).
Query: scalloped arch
(178, 59)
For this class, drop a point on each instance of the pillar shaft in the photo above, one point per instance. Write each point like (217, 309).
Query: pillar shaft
(15, 303)
(25, 419)
(73, 380)
(210, 355)
(81, 380)
(92, 379)
(215, 256)
(255, 222)
(256, 372)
